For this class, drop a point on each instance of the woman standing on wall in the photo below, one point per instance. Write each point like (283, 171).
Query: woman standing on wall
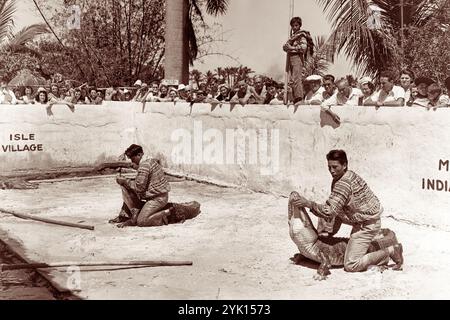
(298, 47)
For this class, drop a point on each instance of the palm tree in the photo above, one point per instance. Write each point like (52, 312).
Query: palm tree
(373, 47)
(222, 74)
(196, 77)
(228, 72)
(180, 40)
(13, 43)
(320, 61)
(210, 77)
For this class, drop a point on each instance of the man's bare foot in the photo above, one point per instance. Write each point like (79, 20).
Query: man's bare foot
(127, 223)
(397, 257)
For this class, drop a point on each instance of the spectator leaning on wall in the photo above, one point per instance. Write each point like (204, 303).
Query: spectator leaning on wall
(367, 89)
(421, 99)
(329, 86)
(345, 95)
(435, 96)
(406, 82)
(7, 96)
(28, 97)
(243, 93)
(389, 94)
(315, 94)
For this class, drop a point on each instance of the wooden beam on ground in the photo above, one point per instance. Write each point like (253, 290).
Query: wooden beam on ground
(160, 263)
(51, 221)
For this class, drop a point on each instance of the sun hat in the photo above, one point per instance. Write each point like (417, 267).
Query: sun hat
(314, 77)
(365, 80)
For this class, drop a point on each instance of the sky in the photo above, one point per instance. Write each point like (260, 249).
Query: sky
(257, 29)
(254, 32)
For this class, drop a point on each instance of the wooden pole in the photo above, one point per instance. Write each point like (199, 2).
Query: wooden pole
(51, 221)
(161, 263)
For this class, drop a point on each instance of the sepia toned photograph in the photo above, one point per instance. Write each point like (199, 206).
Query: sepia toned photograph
(224, 150)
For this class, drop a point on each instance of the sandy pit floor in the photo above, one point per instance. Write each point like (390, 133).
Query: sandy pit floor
(239, 245)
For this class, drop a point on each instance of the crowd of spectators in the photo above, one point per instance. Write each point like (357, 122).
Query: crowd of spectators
(387, 90)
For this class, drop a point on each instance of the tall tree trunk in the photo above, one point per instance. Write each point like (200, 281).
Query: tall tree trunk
(176, 43)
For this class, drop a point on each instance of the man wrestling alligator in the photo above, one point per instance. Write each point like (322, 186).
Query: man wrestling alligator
(351, 202)
(145, 198)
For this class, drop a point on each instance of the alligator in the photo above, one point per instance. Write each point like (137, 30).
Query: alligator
(328, 251)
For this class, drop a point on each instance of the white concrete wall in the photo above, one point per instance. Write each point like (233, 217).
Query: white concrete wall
(393, 149)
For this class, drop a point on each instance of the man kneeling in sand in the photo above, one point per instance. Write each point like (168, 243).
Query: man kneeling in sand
(145, 195)
(351, 202)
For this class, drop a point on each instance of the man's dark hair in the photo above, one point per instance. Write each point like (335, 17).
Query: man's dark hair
(434, 88)
(387, 74)
(269, 84)
(408, 72)
(329, 77)
(133, 150)
(296, 19)
(338, 155)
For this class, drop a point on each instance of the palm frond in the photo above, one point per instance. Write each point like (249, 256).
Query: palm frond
(216, 7)
(426, 9)
(354, 35)
(320, 61)
(27, 34)
(20, 49)
(7, 10)
(373, 49)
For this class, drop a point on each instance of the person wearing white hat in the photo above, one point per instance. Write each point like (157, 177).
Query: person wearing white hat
(315, 95)
(173, 95)
(141, 93)
(138, 83)
(183, 92)
(367, 88)
(126, 95)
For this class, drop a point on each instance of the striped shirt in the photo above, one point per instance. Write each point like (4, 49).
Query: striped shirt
(351, 200)
(150, 180)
